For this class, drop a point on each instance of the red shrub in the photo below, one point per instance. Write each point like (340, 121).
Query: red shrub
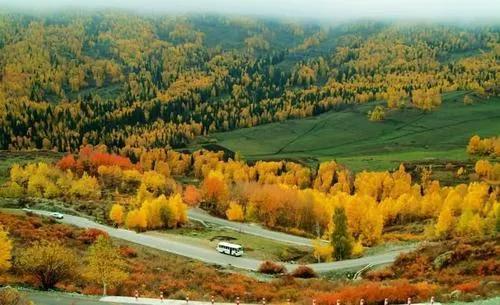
(380, 275)
(462, 252)
(92, 290)
(89, 236)
(67, 162)
(373, 293)
(269, 267)
(304, 272)
(468, 287)
(89, 160)
(127, 251)
(97, 159)
(489, 267)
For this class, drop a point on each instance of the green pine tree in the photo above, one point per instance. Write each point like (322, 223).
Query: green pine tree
(341, 238)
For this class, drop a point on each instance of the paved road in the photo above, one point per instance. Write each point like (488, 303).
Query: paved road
(150, 301)
(212, 256)
(51, 298)
(253, 229)
(48, 298)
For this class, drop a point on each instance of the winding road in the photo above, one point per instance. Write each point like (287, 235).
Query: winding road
(252, 229)
(214, 257)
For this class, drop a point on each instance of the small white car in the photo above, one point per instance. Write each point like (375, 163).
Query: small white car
(57, 215)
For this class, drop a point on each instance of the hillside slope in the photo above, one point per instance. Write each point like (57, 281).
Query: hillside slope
(347, 135)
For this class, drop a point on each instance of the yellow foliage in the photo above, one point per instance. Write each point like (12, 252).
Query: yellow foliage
(214, 187)
(5, 250)
(154, 182)
(110, 175)
(136, 219)
(86, 187)
(426, 99)
(377, 114)
(235, 212)
(104, 265)
(470, 224)
(358, 249)
(49, 262)
(483, 168)
(484, 147)
(163, 212)
(364, 218)
(322, 251)
(445, 223)
(116, 214)
(12, 190)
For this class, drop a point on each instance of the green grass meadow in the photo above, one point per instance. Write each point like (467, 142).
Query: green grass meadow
(350, 138)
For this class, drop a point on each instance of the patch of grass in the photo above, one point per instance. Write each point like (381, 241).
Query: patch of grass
(9, 158)
(254, 246)
(349, 137)
(388, 246)
(492, 301)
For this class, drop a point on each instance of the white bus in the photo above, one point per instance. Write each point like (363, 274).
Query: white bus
(230, 249)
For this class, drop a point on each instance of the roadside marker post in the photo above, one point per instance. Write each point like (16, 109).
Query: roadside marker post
(187, 299)
(161, 297)
(338, 302)
(237, 300)
(386, 301)
(314, 302)
(263, 301)
(362, 302)
(409, 301)
(136, 294)
(288, 301)
(432, 300)
(212, 299)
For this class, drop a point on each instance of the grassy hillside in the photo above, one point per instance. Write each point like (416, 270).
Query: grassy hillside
(8, 158)
(349, 137)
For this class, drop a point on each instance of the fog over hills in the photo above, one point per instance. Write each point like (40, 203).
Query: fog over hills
(457, 10)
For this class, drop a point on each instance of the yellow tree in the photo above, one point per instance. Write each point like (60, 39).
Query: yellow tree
(48, 262)
(179, 209)
(235, 212)
(116, 214)
(483, 168)
(470, 224)
(322, 251)
(445, 222)
(192, 195)
(473, 146)
(214, 189)
(136, 219)
(104, 264)
(5, 250)
(11, 296)
(86, 187)
(377, 114)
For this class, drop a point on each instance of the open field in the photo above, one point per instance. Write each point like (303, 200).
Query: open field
(350, 138)
(8, 158)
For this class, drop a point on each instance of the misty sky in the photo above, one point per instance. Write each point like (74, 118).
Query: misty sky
(324, 9)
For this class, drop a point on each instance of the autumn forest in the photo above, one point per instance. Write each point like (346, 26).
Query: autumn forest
(119, 119)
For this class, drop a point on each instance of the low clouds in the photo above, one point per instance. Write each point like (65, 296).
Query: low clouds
(322, 9)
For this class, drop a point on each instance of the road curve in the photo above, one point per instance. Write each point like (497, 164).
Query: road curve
(252, 229)
(212, 256)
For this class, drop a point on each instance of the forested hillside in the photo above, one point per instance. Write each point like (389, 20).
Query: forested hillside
(136, 81)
